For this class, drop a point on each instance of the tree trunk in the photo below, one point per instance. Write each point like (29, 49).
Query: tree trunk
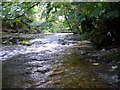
(67, 20)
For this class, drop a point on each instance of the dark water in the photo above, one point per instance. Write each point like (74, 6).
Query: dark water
(53, 61)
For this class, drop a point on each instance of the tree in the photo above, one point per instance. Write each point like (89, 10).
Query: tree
(16, 15)
(97, 21)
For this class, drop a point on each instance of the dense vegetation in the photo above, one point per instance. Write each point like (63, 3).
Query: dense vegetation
(98, 22)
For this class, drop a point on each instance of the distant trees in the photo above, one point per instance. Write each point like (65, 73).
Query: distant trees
(96, 21)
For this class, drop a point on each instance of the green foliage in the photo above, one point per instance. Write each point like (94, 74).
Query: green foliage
(16, 15)
(99, 20)
(96, 21)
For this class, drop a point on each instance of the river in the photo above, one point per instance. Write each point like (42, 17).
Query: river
(52, 61)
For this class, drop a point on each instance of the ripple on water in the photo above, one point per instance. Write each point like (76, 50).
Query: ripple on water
(48, 63)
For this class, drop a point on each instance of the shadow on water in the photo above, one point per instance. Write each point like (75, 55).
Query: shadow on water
(77, 73)
(53, 62)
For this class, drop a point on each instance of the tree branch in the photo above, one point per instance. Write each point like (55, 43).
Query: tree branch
(67, 20)
(23, 13)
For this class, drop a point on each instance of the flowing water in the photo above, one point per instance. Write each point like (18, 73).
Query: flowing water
(52, 61)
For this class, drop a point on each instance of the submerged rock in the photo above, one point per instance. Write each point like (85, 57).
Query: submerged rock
(95, 64)
(47, 63)
(25, 42)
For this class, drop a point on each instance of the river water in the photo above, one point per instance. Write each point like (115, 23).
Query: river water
(52, 61)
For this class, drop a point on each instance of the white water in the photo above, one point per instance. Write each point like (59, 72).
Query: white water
(50, 43)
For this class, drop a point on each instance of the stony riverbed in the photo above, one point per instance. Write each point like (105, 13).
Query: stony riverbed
(57, 61)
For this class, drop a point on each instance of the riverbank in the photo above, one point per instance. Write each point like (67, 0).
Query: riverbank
(59, 60)
(107, 58)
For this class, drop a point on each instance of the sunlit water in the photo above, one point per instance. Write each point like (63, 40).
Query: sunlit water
(51, 61)
(49, 43)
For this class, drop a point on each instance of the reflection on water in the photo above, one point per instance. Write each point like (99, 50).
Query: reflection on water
(51, 61)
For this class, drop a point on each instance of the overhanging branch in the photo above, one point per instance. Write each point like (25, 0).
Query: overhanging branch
(23, 13)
